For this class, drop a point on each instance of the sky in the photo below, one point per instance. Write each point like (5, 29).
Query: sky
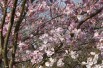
(76, 1)
(60, 4)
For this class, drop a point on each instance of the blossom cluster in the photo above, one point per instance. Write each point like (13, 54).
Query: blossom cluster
(56, 33)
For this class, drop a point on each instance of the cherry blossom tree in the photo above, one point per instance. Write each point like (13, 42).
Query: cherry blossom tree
(51, 33)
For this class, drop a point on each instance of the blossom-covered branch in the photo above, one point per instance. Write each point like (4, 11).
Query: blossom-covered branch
(90, 16)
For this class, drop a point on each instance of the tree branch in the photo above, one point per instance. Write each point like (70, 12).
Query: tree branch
(88, 17)
(4, 9)
(16, 34)
(2, 24)
(8, 34)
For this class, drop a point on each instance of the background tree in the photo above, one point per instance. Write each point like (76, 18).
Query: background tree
(51, 33)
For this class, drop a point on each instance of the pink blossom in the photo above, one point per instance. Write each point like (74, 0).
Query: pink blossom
(36, 57)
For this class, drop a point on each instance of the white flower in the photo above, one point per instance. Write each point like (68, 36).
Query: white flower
(80, 17)
(88, 66)
(95, 59)
(68, 10)
(36, 57)
(101, 40)
(73, 54)
(61, 38)
(59, 30)
(18, 13)
(92, 53)
(96, 34)
(48, 64)
(90, 61)
(43, 36)
(52, 60)
(52, 31)
(21, 44)
(32, 61)
(66, 51)
(84, 63)
(45, 41)
(2, 3)
(60, 62)
(50, 52)
(31, 35)
(77, 32)
(28, 51)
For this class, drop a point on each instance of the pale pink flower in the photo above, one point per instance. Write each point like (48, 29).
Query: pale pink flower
(60, 62)
(50, 52)
(36, 57)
